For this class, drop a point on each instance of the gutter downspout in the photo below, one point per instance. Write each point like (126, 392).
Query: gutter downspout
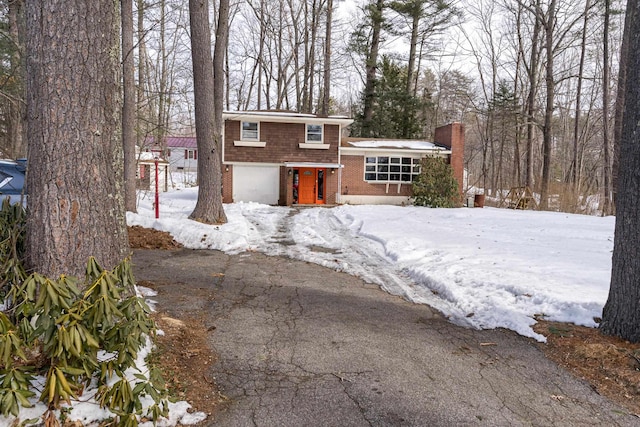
(339, 193)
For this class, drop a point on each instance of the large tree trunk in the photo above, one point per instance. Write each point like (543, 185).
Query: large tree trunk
(128, 106)
(75, 156)
(621, 314)
(208, 108)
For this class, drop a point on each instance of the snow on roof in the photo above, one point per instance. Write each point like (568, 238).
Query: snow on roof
(285, 116)
(394, 143)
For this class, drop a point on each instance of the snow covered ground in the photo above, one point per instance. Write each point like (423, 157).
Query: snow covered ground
(484, 268)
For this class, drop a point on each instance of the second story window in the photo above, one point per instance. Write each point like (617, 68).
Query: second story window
(249, 131)
(314, 134)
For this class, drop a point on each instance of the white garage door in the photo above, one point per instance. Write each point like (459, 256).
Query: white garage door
(256, 184)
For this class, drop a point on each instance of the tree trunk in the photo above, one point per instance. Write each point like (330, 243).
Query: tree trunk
(531, 101)
(128, 106)
(575, 177)
(327, 61)
(75, 155)
(549, 27)
(619, 108)
(621, 314)
(606, 207)
(17, 109)
(208, 98)
(376, 11)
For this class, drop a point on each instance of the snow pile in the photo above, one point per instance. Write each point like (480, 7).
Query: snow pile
(484, 268)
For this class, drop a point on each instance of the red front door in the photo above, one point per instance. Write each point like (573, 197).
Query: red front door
(310, 186)
(306, 186)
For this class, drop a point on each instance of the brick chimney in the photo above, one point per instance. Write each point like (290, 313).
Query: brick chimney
(452, 137)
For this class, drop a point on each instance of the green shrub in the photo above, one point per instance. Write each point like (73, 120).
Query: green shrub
(57, 328)
(436, 186)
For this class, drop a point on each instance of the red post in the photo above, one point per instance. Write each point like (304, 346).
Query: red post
(157, 203)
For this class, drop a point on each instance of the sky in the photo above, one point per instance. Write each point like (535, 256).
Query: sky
(482, 268)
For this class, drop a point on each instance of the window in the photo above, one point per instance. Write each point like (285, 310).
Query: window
(191, 154)
(249, 131)
(391, 169)
(314, 134)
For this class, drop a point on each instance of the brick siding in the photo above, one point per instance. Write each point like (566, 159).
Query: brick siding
(282, 144)
(452, 136)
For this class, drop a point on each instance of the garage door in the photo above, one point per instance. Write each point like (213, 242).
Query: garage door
(259, 184)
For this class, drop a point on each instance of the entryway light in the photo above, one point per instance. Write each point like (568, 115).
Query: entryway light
(290, 171)
(226, 168)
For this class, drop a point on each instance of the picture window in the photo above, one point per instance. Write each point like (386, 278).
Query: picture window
(391, 169)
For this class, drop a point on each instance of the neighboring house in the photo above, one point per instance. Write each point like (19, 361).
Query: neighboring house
(181, 152)
(285, 158)
(146, 174)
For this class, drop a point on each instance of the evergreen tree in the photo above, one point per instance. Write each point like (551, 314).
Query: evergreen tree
(435, 187)
(396, 113)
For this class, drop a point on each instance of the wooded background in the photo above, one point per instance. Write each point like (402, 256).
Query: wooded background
(535, 82)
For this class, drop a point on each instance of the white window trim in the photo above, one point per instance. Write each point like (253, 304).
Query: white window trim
(243, 138)
(389, 181)
(314, 145)
(306, 134)
(260, 144)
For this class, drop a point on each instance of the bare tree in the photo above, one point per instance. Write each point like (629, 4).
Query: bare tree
(75, 153)
(326, 91)
(209, 97)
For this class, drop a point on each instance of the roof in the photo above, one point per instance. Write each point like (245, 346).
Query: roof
(286, 117)
(176, 141)
(392, 144)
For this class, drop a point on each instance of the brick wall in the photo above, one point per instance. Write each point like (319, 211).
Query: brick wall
(282, 144)
(227, 184)
(452, 136)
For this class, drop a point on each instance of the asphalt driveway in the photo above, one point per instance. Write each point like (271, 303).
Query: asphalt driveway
(303, 345)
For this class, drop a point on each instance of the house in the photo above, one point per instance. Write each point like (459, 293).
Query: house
(381, 171)
(150, 167)
(290, 158)
(286, 158)
(282, 157)
(180, 151)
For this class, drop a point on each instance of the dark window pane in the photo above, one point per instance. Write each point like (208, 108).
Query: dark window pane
(406, 161)
(383, 177)
(371, 160)
(370, 177)
(394, 168)
(370, 168)
(406, 169)
(382, 168)
(406, 177)
(384, 160)
(416, 169)
(394, 177)
(395, 160)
